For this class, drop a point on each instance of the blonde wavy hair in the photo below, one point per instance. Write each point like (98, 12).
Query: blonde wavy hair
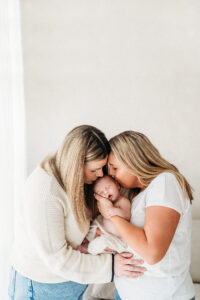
(135, 151)
(82, 144)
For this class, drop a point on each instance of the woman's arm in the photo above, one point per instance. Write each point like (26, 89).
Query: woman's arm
(152, 241)
(45, 227)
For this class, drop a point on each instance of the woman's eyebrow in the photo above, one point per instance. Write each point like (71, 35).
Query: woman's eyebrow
(112, 164)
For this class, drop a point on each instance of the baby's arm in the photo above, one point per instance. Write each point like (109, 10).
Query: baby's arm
(122, 209)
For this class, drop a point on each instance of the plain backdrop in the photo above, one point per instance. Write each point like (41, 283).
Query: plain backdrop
(117, 65)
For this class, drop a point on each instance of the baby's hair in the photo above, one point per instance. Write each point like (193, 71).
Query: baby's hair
(101, 178)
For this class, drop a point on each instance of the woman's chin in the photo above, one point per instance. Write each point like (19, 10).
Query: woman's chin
(124, 186)
(89, 182)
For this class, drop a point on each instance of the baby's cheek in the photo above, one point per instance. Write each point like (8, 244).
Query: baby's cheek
(102, 194)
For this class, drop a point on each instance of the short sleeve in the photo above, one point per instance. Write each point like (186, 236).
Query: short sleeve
(165, 191)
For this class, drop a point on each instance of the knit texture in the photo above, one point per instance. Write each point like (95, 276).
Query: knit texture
(47, 234)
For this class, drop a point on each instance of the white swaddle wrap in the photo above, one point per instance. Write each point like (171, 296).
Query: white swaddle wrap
(106, 240)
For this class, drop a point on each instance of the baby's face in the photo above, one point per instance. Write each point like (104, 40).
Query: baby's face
(107, 188)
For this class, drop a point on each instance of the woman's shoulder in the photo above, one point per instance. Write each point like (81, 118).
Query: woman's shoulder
(40, 182)
(38, 177)
(165, 182)
(165, 190)
(165, 177)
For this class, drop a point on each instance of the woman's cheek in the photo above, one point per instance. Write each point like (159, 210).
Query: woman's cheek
(120, 180)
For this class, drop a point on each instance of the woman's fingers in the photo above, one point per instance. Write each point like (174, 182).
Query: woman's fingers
(137, 261)
(131, 259)
(133, 268)
(103, 201)
(133, 264)
(124, 265)
(126, 254)
(98, 232)
(103, 205)
(100, 198)
(109, 250)
(82, 249)
(131, 274)
(85, 241)
(97, 197)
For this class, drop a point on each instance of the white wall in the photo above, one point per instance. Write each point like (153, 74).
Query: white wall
(117, 65)
(12, 117)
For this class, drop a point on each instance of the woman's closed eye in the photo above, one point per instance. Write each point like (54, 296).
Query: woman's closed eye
(94, 171)
(110, 166)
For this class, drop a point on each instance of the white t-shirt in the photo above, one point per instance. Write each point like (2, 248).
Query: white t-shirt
(168, 279)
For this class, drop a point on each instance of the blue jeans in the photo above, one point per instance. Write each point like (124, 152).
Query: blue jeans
(117, 297)
(22, 288)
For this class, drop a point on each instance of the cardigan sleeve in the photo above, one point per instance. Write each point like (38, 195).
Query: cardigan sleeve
(45, 215)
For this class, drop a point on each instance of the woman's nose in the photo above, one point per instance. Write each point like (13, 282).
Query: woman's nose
(110, 172)
(99, 173)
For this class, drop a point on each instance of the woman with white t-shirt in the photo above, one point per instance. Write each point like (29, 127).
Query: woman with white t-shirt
(160, 227)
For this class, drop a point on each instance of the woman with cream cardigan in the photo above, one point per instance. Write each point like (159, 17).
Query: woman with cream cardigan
(52, 219)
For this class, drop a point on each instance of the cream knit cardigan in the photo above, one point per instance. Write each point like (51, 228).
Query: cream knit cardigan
(47, 234)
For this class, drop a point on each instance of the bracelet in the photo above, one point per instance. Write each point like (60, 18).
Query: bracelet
(112, 267)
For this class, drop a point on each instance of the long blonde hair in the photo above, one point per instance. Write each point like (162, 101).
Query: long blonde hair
(135, 151)
(82, 144)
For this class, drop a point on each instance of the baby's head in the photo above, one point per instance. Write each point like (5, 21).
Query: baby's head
(107, 187)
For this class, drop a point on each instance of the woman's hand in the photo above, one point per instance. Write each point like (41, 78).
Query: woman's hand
(103, 205)
(83, 248)
(125, 265)
(110, 250)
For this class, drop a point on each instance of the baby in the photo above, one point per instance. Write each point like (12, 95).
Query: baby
(102, 233)
(108, 188)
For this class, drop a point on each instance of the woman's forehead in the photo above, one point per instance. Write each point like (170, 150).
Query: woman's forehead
(97, 163)
(112, 159)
